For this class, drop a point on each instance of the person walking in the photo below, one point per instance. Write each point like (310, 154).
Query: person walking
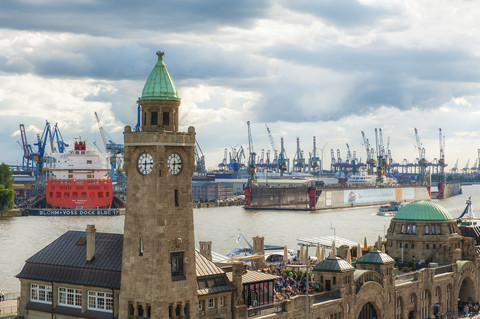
(2, 296)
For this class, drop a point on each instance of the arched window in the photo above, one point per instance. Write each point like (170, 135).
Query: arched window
(399, 307)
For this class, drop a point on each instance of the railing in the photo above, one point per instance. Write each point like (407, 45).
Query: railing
(405, 278)
(266, 309)
(443, 269)
(327, 295)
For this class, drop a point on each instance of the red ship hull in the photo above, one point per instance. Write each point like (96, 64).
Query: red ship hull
(79, 193)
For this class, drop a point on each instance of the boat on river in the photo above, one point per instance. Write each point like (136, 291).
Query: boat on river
(390, 209)
(77, 185)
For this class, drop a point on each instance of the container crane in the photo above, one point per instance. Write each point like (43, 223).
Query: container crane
(371, 162)
(378, 148)
(223, 164)
(56, 135)
(29, 157)
(441, 165)
(115, 150)
(298, 159)
(314, 162)
(199, 159)
(283, 160)
(274, 147)
(454, 169)
(252, 170)
(422, 162)
(139, 113)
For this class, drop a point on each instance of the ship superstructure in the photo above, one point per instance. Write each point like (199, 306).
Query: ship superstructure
(77, 179)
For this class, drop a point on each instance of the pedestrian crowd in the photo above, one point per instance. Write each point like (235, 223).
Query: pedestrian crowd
(291, 282)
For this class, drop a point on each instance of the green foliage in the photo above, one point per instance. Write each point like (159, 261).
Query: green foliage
(410, 264)
(6, 178)
(7, 194)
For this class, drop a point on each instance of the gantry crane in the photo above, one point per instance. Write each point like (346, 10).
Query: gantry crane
(223, 164)
(115, 150)
(314, 160)
(422, 162)
(283, 160)
(441, 161)
(298, 159)
(252, 169)
(29, 157)
(274, 162)
(380, 151)
(199, 159)
(371, 162)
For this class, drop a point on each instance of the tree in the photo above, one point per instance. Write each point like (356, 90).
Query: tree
(7, 194)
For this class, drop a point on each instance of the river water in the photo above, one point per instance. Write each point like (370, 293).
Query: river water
(21, 237)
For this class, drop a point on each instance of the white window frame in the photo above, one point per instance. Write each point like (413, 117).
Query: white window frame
(36, 289)
(222, 301)
(99, 297)
(74, 294)
(211, 303)
(200, 305)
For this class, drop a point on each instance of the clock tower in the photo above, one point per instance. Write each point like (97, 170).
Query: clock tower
(158, 262)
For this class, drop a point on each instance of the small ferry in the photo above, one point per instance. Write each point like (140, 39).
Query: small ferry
(390, 209)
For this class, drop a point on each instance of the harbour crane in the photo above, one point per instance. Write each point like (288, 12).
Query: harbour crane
(466, 169)
(379, 150)
(274, 147)
(371, 162)
(333, 167)
(29, 157)
(441, 161)
(314, 159)
(199, 159)
(139, 112)
(454, 169)
(252, 170)
(283, 160)
(115, 150)
(422, 162)
(298, 159)
(223, 164)
(349, 155)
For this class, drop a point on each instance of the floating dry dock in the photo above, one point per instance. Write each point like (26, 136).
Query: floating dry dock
(323, 197)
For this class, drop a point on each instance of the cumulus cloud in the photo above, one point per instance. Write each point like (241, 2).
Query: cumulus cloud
(307, 68)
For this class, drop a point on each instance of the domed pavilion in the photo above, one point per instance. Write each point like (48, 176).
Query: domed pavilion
(424, 231)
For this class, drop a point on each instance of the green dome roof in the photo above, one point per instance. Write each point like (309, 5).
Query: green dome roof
(333, 264)
(375, 257)
(423, 210)
(159, 85)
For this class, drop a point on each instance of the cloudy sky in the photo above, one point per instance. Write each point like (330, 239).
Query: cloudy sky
(324, 68)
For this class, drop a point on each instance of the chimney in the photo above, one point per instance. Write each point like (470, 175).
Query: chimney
(90, 243)
(206, 249)
(258, 249)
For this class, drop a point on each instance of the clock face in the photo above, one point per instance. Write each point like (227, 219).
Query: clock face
(145, 164)
(174, 163)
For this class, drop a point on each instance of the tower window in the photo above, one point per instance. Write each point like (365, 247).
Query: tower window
(140, 253)
(177, 202)
(144, 118)
(166, 118)
(154, 119)
(177, 266)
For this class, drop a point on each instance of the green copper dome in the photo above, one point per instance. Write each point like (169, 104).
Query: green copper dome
(333, 264)
(375, 257)
(423, 210)
(159, 85)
